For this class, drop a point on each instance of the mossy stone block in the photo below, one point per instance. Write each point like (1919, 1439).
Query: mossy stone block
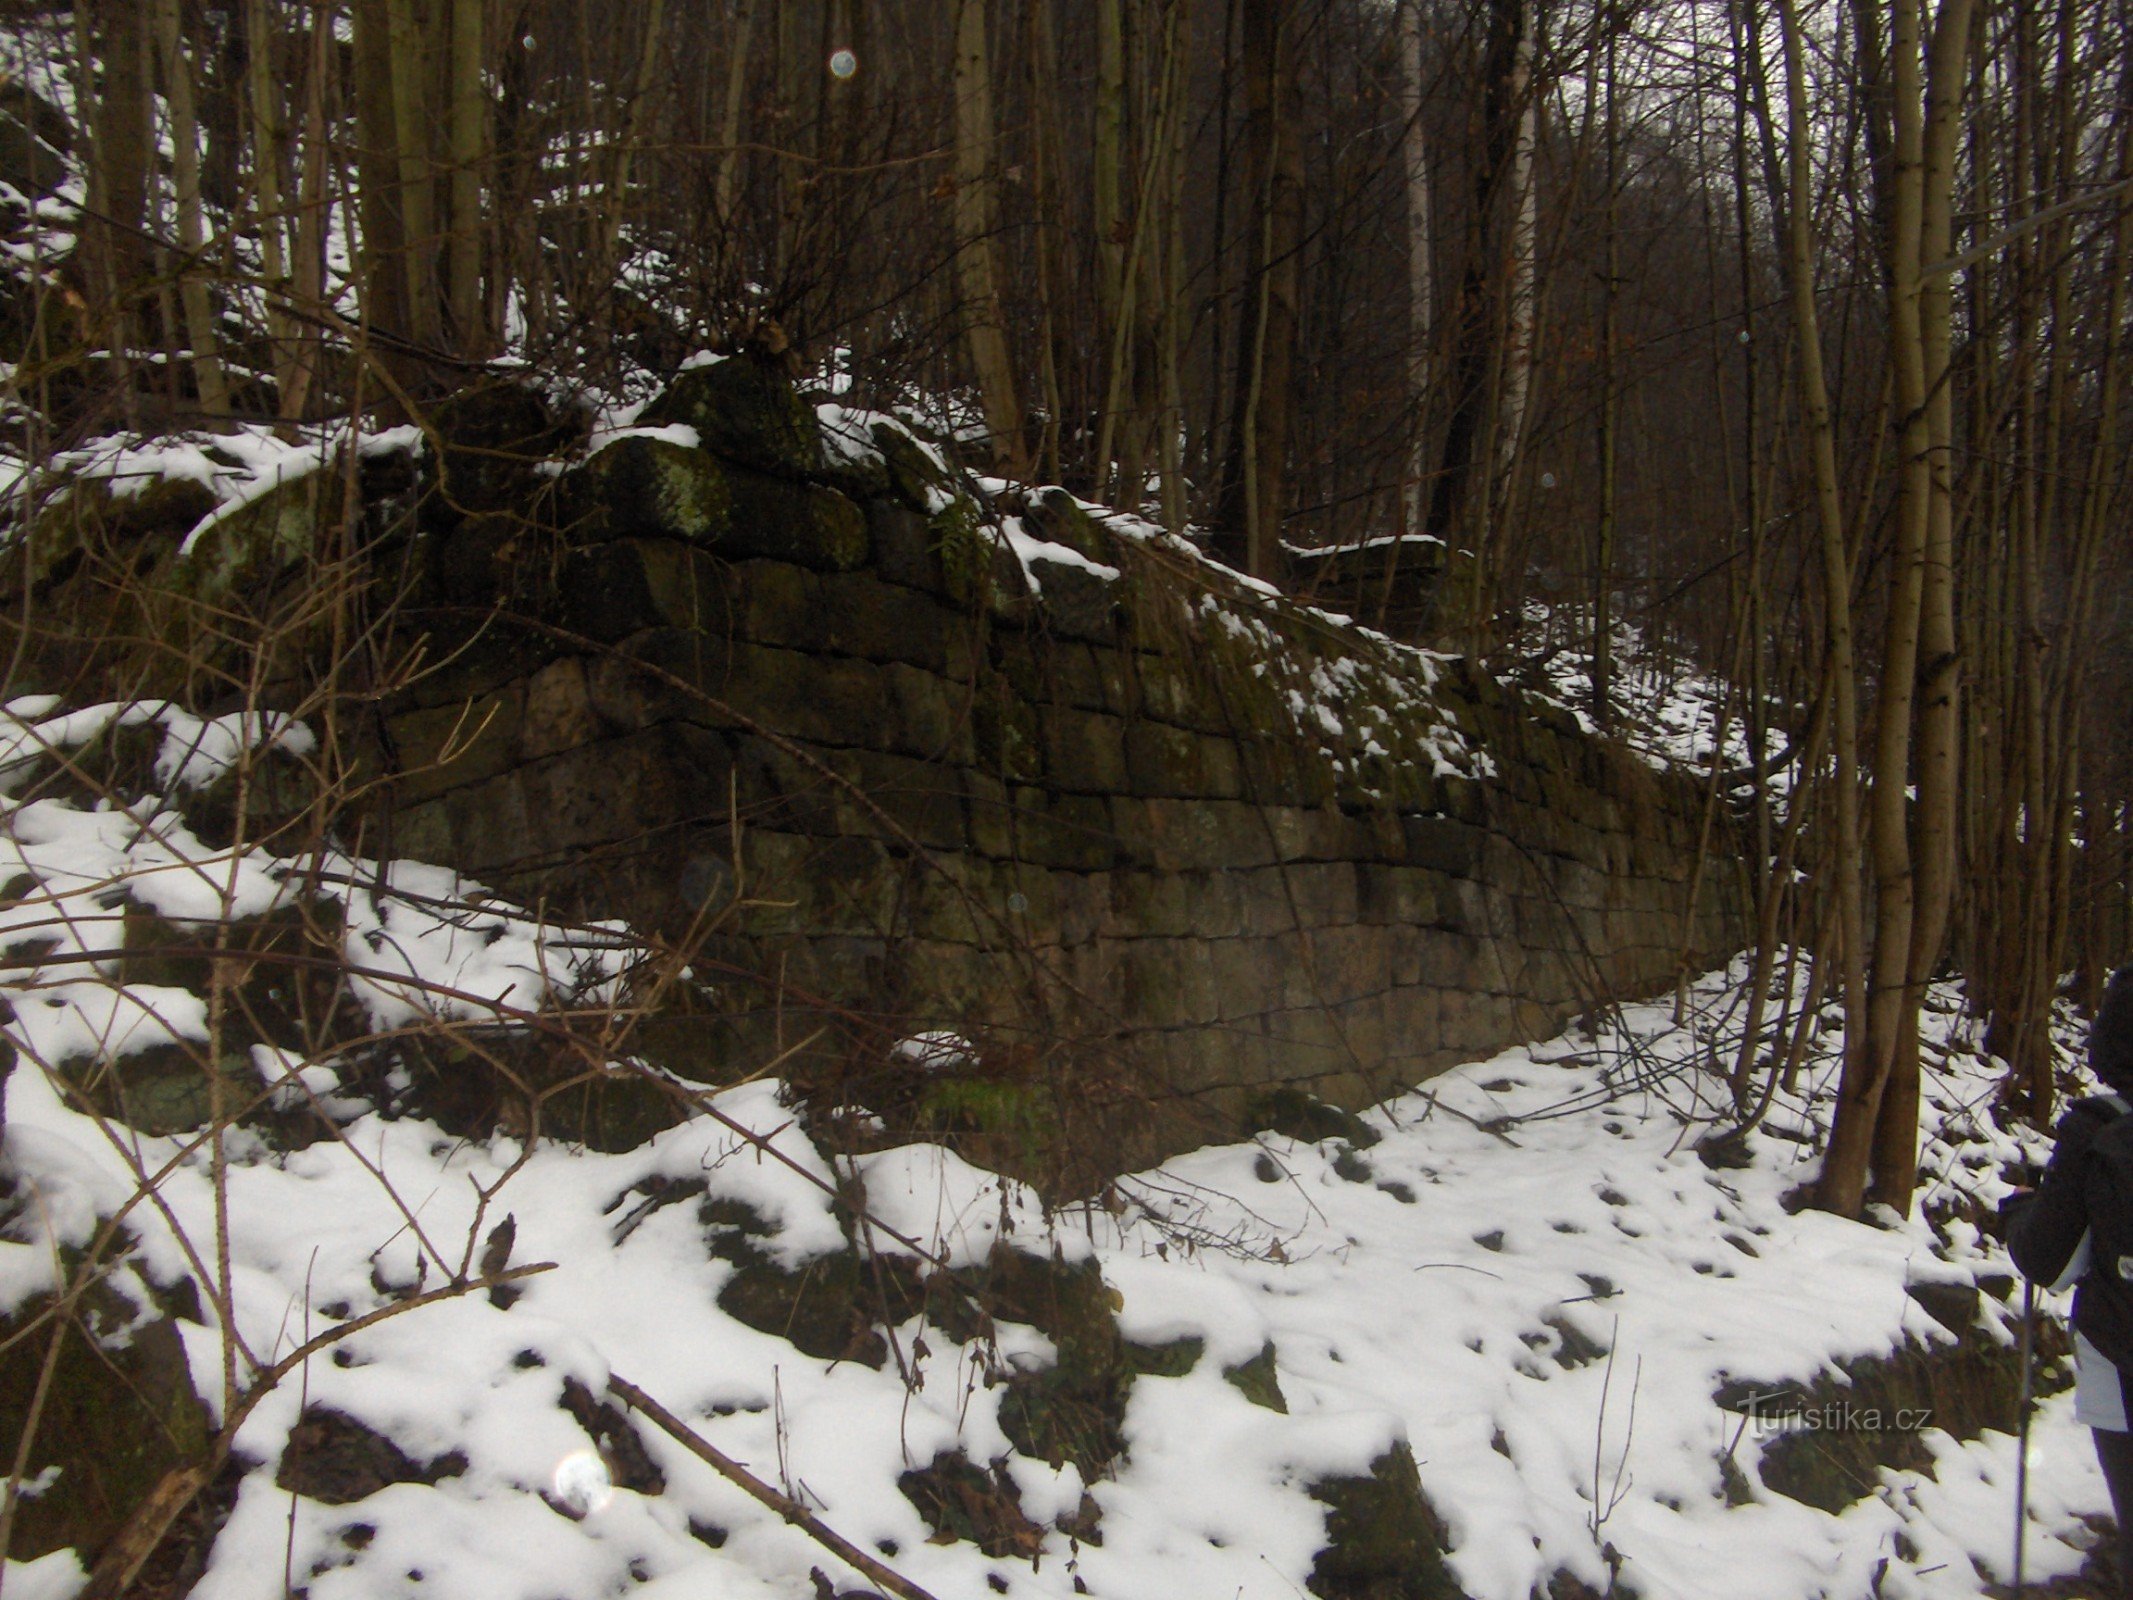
(1258, 1380)
(746, 410)
(116, 1418)
(804, 523)
(1384, 1541)
(646, 488)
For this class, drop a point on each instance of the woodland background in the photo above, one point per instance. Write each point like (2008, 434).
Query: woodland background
(1781, 339)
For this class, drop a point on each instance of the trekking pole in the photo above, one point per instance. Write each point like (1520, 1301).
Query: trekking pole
(2021, 1535)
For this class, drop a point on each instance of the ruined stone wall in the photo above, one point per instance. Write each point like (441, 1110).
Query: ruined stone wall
(796, 692)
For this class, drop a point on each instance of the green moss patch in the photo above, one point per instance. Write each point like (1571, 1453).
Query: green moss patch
(1384, 1541)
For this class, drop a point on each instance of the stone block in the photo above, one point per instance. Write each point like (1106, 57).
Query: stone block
(1164, 761)
(744, 409)
(1066, 831)
(928, 715)
(1323, 892)
(642, 487)
(1217, 903)
(1075, 603)
(803, 523)
(904, 550)
(991, 813)
(894, 798)
(825, 700)
(1442, 844)
(1248, 975)
(1071, 677)
(1265, 904)
(439, 748)
(859, 615)
(1188, 835)
(489, 825)
(1164, 983)
(1085, 751)
(557, 714)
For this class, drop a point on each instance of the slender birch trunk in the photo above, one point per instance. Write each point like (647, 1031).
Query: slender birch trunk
(1936, 764)
(1840, 1190)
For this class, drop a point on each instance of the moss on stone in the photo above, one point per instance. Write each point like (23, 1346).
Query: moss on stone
(745, 409)
(830, 1307)
(120, 1413)
(1298, 1114)
(1259, 1381)
(958, 536)
(1384, 1541)
(1173, 1359)
(1016, 1112)
(646, 488)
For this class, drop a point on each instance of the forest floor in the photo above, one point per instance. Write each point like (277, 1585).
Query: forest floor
(1616, 1359)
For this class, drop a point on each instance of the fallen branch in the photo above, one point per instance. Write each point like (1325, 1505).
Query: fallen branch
(784, 1505)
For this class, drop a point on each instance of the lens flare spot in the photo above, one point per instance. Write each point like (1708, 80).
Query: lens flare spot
(582, 1483)
(843, 63)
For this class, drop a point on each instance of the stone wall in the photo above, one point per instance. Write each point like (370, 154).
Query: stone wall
(903, 761)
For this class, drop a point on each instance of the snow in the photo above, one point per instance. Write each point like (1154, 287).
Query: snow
(1419, 1290)
(240, 467)
(1667, 711)
(1031, 550)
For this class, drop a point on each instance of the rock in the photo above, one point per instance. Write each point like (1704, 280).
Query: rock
(830, 1308)
(336, 1460)
(1384, 1541)
(474, 1082)
(1869, 1413)
(960, 1500)
(1953, 1305)
(1172, 1360)
(645, 488)
(1299, 1115)
(745, 409)
(1075, 1409)
(1258, 1381)
(495, 434)
(117, 1417)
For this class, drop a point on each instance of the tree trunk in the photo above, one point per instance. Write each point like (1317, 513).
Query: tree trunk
(114, 233)
(976, 268)
(1256, 484)
(192, 231)
(1939, 733)
(1842, 1184)
(411, 122)
(1421, 291)
(470, 149)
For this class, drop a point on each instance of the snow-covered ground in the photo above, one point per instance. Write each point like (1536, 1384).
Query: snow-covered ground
(1531, 1278)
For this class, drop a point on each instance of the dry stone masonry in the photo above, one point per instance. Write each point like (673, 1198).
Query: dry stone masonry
(906, 758)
